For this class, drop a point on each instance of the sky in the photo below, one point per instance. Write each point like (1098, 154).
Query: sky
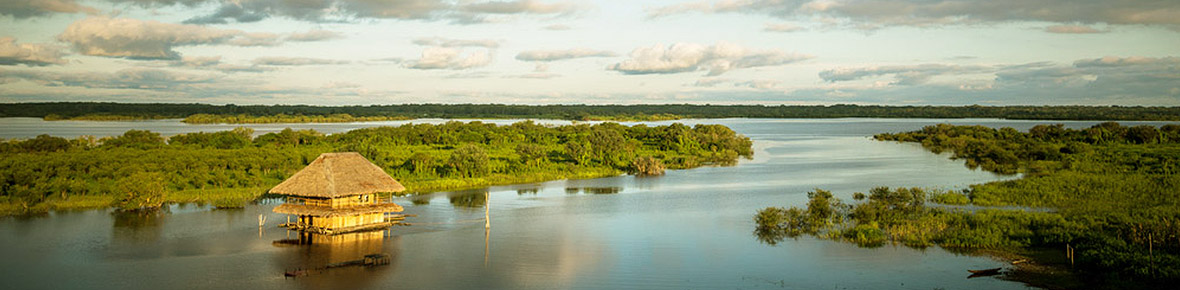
(362, 52)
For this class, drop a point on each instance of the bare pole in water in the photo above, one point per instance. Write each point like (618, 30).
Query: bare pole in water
(487, 206)
(487, 226)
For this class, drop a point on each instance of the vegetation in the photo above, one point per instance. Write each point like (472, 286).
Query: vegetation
(1109, 191)
(142, 169)
(103, 117)
(201, 113)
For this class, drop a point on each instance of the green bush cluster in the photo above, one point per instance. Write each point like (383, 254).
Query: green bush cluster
(1111, 192)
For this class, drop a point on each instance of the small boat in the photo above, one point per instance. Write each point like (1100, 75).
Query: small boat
(991, 271)
(296, 273)
(983, 273)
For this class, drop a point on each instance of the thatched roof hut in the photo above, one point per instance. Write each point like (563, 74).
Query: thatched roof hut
(335, 175)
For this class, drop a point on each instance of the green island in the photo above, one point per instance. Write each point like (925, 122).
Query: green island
(207, 113)
(141, 169)
(284, 118)
(1110, 194)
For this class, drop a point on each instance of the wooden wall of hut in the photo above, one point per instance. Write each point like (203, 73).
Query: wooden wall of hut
(364, 199)
(348, 221)
(355, 200)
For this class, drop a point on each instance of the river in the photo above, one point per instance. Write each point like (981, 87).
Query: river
(688, 229)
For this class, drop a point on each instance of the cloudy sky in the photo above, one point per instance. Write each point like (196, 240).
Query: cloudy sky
(344, 52)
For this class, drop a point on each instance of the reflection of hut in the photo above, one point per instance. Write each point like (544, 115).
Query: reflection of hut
(337, 193)
(353, 260)
(340, 247)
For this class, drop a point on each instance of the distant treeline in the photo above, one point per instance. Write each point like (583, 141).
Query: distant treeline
(94, 110)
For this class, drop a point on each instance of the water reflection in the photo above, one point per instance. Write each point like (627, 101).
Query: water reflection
(420, 199)
(594, 190)
(138, 227)
(773, 236)
(341, 261)
(468, 198)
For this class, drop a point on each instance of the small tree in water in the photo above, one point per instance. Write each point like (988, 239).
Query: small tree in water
(647, 165)
(141, 190)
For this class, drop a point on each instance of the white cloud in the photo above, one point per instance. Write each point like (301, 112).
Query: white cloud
(451, 58)
(904, 74)
(255, 39)
(132, 38)
(759, 84)
(557, 27)
(1072, 29)
(710, 82)
(21, 9)
(453, 54)
(28, 54)
(214, 63)
(519, 7)
(782, 27)
(1112, 61)
(537, 75)
(296, 61)
(688, 57)
(873, 13)
(230, 10)
(447, 42)
(1107, 80)
(555, 55)
(132, 78)
(314, 35)
(341, 85)
(140, 39)
(463, 12)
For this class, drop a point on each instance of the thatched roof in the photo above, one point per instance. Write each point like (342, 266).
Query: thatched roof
(338, 175)
(325, 211)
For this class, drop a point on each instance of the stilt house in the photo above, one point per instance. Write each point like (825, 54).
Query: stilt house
(338, 193)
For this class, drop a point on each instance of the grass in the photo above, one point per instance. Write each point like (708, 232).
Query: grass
(219, 197)
(10, 207)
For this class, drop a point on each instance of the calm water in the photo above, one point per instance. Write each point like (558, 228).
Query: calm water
(689, 229)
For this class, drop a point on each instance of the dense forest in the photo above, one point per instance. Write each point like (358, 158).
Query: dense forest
(143, 169)
(251, 113)
(1109, 192)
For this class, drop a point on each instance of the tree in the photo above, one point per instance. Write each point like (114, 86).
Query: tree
(141, 190)
(577, 152)
(45, 143)
(1143, 134)
(420, 163)
(139, 139)
(1047, 132)
(647, 165)
(530, 154)
(820, 208)
(468, 161)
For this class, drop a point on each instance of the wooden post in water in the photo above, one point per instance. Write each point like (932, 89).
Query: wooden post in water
(487, 207)
(1150, 254)
(1069, 253)
(487, 226)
